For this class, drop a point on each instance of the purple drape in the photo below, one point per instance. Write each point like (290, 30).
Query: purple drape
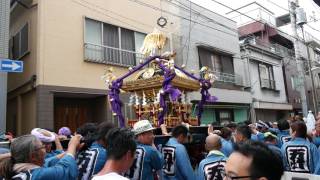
(167, 88)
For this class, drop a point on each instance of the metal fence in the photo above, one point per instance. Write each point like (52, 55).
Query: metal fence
(228, 78)
(273, 47)
(111, 55)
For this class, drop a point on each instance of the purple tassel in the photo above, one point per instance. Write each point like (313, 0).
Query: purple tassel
(167, 89)
(205, 97)
(115, 101)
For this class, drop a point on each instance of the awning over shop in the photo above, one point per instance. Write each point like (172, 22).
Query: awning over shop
(273, 106)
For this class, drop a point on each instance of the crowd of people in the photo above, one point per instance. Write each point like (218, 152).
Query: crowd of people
(260, 150)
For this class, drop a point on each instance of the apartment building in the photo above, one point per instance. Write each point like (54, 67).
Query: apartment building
(215, 44)
(269, 58)
(66, 46)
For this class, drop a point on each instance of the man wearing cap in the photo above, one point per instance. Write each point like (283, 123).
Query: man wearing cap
(148, 159)
(271, 140)
(47, 138)
(177, 165)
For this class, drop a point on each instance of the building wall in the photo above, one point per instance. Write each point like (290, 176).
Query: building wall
(19, 17)
(222, 38)
(62, 38)
(21, 112)
(291, 71)
(215, 36)
(259, 94)
(28, 112)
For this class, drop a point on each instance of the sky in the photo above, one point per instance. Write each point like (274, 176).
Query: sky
(278, 7)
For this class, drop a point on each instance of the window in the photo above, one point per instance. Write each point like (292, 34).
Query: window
(215, 61)
(266, 76)
(224, 116)
(111, 44)
(317, 56)
(19, 43)
(295, 83)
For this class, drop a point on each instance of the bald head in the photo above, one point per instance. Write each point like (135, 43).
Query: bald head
(213, 142)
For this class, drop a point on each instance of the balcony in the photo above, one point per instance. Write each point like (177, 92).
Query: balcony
(272, 47)
(268, 84)
(228, 78)
(110, 55)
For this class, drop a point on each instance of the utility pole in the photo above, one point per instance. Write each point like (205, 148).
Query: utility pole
(300, 66)
(314, 94)
(4, 39)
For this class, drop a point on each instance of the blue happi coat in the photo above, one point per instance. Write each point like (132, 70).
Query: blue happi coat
(257, 137)
(91, 161)
(212, 167)
(65, 168)
(299, 155)
(53, 153)
(177, 165)
(283, 137)
(148, 160)
(226, 147)
(316, 140)
(275, 149)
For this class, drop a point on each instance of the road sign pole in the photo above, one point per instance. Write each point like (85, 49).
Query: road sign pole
(4, 46)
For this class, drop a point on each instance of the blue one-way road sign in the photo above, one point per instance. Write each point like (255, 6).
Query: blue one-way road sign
(8, 65)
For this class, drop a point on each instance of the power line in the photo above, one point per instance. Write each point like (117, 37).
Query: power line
(313, 28)
(182, 17)
(189, 35)
(112, 17)
(113, 12)
(278, 5)
(289, 11)
(249, 16)
(130, 25)
(200, 14)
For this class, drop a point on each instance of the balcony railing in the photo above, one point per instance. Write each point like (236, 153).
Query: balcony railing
(228, 78)
(268, 84)
(110, 55)
(273, 47)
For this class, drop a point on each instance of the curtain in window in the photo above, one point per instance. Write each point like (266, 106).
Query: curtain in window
(205, 58)
(138, 41)
(24, 40)
(111, 39)
(94, 50)
(127, 43)
(216, 61)
(227, 64)
(271, 78)
(264, 75)
(16, 45)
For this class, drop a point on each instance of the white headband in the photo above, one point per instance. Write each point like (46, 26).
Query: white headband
(43, 135)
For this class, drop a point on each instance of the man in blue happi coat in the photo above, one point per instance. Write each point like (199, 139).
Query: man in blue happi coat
(283, 132)
(299, 155)
(91, 160)
(212, 167)
(148, 160)
(177, 165)
(227, 145)
(28, 156)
